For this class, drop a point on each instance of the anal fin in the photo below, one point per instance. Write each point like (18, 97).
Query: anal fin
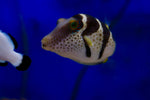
(105, 60)
(3, 63)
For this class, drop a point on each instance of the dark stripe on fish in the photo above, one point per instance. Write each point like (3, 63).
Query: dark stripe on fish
(92, 25)
(88, 50)
(106, 35)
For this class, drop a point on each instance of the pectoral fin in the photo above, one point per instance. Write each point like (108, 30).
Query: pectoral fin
(88, 41)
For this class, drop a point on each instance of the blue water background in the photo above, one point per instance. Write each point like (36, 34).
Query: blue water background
(126, 75)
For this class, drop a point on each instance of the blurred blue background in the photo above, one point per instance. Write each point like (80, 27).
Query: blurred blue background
(126, 75)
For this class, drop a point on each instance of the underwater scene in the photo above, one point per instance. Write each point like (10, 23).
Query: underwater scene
(74, 50)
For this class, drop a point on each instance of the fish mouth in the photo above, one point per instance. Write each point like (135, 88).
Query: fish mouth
(43, 46)
(45, 43)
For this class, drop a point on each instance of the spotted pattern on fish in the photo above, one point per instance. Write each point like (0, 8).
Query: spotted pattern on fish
(81, 38)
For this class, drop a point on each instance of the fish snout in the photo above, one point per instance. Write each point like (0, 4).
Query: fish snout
(60, 20)
(45, 43)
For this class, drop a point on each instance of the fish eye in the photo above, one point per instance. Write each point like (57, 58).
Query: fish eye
(74, 24)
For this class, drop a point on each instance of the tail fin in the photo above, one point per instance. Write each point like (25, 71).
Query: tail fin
(26, 61)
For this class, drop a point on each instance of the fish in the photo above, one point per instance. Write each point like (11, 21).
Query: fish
(7, 54)
(82, 38)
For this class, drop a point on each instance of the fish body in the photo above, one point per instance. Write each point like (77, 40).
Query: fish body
(81, 38)
(7, 53)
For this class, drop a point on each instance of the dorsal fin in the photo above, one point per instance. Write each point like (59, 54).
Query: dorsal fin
(14, 41)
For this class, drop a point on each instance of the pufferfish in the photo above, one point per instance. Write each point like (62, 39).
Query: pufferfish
(81, 38)
(7, 54)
